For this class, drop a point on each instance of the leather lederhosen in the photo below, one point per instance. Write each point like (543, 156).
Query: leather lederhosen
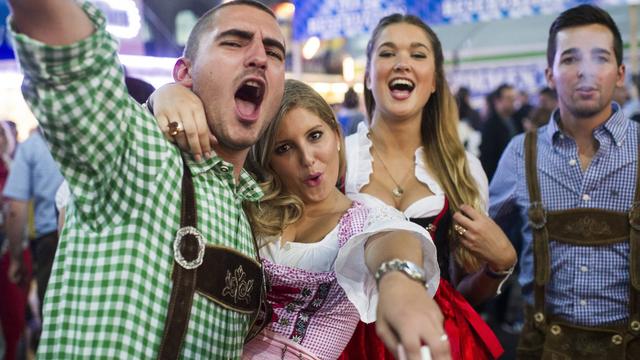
(547, 337)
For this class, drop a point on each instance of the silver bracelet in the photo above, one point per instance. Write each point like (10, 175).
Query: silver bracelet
(413, 271)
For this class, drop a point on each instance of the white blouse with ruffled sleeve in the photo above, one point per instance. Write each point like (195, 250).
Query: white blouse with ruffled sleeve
(342, 251)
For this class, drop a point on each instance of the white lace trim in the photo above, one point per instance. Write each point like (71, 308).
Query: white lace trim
(364, 162)
(382, 213)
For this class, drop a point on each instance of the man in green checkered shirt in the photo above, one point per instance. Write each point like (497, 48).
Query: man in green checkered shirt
(111, 280)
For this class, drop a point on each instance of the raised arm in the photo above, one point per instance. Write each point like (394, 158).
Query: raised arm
(53, 22)
(100, 137)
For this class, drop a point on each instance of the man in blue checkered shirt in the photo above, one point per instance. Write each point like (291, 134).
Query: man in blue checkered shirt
(573, 182)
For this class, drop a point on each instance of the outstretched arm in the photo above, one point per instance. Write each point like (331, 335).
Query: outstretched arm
(53, 22)
(406, 313)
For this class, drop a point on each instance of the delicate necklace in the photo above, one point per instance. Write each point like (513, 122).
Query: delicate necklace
(397, 191)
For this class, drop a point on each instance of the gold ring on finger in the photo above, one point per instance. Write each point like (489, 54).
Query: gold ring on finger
(175, 128)
(459, 229)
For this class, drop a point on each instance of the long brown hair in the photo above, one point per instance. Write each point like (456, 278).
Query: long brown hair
(278, 208)
(444, 153)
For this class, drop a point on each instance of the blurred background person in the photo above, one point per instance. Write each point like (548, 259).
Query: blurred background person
(470, 122)
(632, 108)
(349, 114)
(34, 176)
(537, 117)
(621, 95)
(466, 111)
(138, 88)
(523, 108)
(547, 99)
(499, 128)
(13, 296)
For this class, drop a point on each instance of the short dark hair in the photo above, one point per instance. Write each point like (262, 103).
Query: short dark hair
(498, 92)
(351, 100)
(204, 22)
(549, 92)
(579, 16)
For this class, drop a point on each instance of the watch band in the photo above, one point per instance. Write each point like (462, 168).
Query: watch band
(413, 271)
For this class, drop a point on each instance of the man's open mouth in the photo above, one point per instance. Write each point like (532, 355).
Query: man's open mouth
(249, 97)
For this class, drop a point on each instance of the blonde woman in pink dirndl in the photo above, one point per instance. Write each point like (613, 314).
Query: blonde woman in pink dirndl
(330, 261)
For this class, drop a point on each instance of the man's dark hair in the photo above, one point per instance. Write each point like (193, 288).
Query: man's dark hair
(138, 89)
(549, 92)
(204, 23)
(580, 16)
(351, 100)
(498, 92)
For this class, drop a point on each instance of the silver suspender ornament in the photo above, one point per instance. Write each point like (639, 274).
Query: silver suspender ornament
(188, 230)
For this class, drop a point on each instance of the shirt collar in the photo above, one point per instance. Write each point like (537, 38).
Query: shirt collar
(247, 188)
(616, 126)
(205, 165)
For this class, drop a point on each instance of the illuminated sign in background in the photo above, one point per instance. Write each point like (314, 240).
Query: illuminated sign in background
(123, 17)
(328, 19)
(123, 21)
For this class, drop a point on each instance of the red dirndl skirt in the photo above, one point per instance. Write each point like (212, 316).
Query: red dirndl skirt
(470, 337)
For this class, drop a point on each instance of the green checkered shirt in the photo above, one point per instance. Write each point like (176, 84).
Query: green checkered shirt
(111, 280)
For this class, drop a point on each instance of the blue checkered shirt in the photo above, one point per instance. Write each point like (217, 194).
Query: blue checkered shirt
(589, 285)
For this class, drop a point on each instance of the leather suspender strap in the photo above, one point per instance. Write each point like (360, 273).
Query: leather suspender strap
(184, 280)
(223, 275)
(531, 158)
(537, 221)
(634, 246)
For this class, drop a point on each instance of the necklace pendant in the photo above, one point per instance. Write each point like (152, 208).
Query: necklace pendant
(397, 192)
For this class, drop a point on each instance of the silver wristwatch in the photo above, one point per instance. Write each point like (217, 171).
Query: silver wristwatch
(408, 268)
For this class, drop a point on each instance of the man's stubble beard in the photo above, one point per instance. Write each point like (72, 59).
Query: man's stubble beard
(586, 111)
(229, 143)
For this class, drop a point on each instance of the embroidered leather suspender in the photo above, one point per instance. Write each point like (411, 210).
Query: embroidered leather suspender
(223, 275)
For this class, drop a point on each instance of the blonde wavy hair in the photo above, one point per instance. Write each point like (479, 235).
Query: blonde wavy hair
(444, 153)
(278, 208)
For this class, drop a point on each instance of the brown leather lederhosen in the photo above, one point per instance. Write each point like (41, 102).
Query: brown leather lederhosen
(546, 337)
(223, 275)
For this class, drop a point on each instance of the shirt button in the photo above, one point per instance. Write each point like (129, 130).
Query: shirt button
(586, 197)
(584, 269)
(224, 169)
(583, 302)
(573, 162)
(618, 143)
